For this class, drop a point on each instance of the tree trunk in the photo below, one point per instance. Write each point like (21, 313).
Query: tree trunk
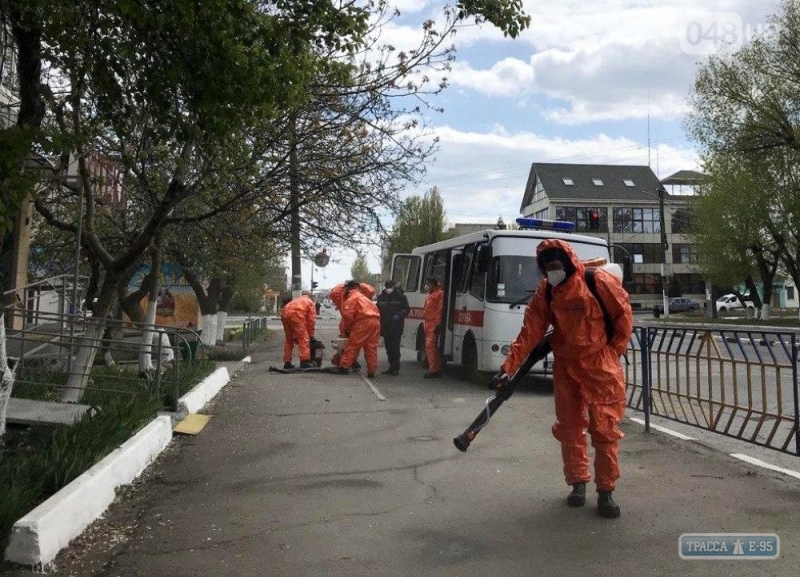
(149, 333)
(226, 295)
(7, 380)
(208, 299)
(88, 345)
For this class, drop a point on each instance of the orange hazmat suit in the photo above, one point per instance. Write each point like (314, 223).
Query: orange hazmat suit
(361, 324)
(432, 316)
(299, 317)
(589, 386)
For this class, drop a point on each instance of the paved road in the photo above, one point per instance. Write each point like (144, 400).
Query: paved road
(313, 475)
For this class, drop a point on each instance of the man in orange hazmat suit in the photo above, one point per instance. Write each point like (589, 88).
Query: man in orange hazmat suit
(432, 316)
(299, 317)
(360, 324)
(589, 387)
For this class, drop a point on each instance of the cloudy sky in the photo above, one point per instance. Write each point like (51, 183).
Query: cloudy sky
(576, 87)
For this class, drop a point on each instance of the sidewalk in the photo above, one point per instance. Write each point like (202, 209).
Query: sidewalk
(313, 475)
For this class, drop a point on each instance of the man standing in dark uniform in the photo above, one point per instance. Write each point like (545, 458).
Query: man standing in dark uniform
(393, 305)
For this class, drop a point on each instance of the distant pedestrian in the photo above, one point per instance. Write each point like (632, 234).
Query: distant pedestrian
(393, 305)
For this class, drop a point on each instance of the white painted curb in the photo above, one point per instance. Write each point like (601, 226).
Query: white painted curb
(206, 390)
(38, 537)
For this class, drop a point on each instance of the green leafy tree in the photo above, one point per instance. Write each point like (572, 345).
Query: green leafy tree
(360, 269)
(420, 221)
(744, 119)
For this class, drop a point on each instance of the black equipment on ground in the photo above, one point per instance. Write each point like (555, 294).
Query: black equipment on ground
(539, 352)
(317, 352)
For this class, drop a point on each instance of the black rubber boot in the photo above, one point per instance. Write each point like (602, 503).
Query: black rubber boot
(306, 365)
(578, 496)
(606, 506)
(288, 366)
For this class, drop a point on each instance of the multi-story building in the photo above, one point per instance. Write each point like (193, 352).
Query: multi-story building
(642, 221)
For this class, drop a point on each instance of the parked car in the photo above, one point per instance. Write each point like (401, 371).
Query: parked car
(731, 301)
(678, 305)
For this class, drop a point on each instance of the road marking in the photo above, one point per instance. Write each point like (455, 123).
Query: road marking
(374, 390)
(759, 463)
(664, 430)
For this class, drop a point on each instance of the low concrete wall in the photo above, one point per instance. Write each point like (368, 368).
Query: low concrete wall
(38, 537)
(206, 390)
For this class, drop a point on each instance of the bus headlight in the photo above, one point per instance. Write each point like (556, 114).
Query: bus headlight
(505, 350)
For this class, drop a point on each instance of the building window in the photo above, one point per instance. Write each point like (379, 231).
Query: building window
(628, 182)
(584, 219)
(637, 220)
(684, 254)
(568, 181)
(645, 284)
(544, 213)
(790, 293)
(681, 221)
(643, 252)
(597, 181)
(690, 284)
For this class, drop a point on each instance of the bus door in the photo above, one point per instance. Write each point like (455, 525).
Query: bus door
(406, 270)
(451, 287)
(460, 315)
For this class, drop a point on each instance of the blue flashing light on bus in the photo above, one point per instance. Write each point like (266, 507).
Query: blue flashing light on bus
(541, 223)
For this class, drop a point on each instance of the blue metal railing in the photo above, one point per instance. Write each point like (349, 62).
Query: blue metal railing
(741, 382)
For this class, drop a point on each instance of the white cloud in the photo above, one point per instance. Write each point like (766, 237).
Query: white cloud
(604, 60)
(505, 78)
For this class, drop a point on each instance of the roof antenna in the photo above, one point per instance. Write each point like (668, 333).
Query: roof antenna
(648, 126)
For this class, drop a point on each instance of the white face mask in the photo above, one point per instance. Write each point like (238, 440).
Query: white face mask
(389, 291)
(556, 277)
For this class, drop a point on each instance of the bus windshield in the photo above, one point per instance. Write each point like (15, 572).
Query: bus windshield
(513, 270)
(511, 278)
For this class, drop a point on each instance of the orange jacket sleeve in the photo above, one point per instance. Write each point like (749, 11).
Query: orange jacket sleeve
(617, 303)
(537, 319)
(311, 316)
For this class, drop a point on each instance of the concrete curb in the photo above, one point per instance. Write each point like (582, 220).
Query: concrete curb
(206, 390)
(38, 537)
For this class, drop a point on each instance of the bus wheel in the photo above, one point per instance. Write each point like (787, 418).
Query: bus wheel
(470, 363)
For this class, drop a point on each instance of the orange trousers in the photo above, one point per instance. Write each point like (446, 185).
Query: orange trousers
(589, 395)
(432, 351)
(296, 331)
(364, 334)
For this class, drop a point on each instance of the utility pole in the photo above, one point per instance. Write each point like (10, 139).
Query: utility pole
(294, 206)
(661, 192)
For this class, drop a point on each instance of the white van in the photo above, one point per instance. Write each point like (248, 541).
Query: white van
(731, 301)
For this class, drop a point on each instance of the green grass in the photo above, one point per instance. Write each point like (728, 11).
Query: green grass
(35, 462)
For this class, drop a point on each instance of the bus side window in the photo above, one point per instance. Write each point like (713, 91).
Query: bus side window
(477, 282)
(436, 266)
(462, 282)
(406, 272)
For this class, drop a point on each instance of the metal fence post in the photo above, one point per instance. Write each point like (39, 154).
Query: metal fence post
(646, 376)
(795, 393)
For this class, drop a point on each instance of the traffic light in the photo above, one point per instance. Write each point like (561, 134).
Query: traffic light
(314, 284)
(594, 220)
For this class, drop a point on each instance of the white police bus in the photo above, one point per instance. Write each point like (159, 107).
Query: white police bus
(488, 278)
